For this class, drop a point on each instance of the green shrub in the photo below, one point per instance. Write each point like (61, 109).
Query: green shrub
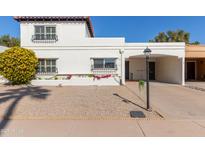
(141, 84)
(56, 78)
(18, 65)
(90, 75)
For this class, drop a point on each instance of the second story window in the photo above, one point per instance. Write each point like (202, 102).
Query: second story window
(39, 32)
(44, 33)
(50, 33)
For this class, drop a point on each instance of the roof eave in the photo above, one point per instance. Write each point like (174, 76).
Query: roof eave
(57, 18)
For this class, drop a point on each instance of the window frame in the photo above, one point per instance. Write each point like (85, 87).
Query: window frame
(104, 64)
(44, 35)
(94, 59)
(46, 66)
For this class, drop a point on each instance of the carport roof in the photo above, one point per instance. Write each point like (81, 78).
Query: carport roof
(195, 51)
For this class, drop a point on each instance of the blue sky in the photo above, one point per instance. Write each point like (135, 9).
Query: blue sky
(134, 29)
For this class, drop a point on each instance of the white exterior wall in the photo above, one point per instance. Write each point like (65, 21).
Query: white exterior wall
(75, 48)
(2, 49)
(168, 58)
(74, 51)
(137, 68)
(158, 49)
(169, 69)
(65, 30)
(2, 79)
(78, 61)
(76, 58)
(75, 81)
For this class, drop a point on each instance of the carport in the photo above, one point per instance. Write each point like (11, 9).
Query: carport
(166, 62)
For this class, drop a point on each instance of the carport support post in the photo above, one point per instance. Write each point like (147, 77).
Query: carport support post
(183, 71)
(147, 82)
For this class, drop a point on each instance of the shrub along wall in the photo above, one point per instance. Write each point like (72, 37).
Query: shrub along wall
(18, 65)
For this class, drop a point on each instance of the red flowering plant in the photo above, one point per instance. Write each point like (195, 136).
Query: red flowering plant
(98, 77)
(69, 76)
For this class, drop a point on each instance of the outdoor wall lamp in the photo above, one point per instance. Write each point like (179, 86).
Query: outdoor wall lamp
(147, 53)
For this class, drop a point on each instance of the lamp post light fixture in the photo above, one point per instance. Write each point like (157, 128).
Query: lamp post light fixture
(147, 53)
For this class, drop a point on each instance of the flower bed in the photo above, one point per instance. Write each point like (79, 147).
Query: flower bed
(69, 76)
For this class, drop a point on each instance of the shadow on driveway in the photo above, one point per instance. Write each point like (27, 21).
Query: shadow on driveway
(17, 95)
(128, 101)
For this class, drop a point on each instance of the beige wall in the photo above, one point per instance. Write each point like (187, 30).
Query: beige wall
(200, 67)
(169, 69)
(195, 51)
(137, 68)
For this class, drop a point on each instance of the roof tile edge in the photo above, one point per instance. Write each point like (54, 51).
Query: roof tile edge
(58, 18)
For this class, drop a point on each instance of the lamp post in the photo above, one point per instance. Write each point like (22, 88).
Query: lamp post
(147, 53)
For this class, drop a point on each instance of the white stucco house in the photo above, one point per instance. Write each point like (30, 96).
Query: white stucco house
(2, 48)
(69, 54)
(2, 79)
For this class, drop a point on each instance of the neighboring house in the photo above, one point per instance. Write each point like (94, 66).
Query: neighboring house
(69, 54)
(195, 62)
(2, 49)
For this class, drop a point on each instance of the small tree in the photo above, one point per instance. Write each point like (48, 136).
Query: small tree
(8, 41)
(195, 43)
(172, 36)
(18, 65)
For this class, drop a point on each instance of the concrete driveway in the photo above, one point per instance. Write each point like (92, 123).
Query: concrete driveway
(175, 101)
(196, 85)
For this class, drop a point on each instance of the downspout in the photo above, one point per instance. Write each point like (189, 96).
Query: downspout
(122, 67)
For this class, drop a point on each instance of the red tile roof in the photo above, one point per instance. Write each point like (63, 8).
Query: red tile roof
(58, 18)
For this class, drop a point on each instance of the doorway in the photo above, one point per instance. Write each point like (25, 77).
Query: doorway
(191, 70)
(127, 70)
(152, 70)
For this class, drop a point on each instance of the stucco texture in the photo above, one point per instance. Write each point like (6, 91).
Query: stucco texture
(167, 69)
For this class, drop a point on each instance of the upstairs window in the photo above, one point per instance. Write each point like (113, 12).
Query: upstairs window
(39, 32)
(50, 33)
(104, 63)
(45, 33)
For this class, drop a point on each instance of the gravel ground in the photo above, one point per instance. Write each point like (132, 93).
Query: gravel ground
(70, 102)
